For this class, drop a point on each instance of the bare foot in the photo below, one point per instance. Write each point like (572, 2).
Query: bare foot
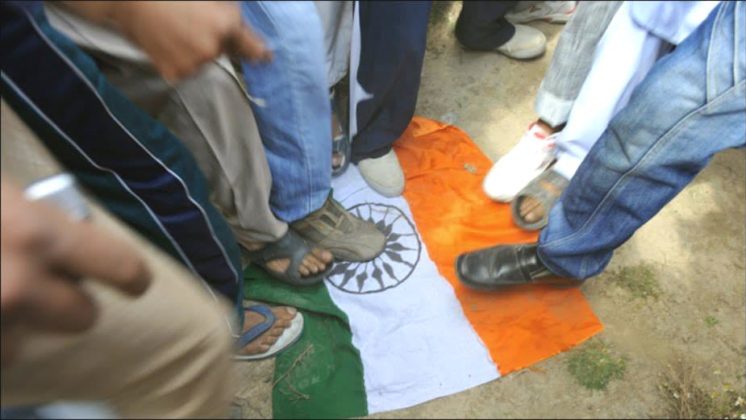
(313, 263)
(531, 210)
(261, 344)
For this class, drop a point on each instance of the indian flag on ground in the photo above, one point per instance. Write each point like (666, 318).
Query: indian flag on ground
(400, 330)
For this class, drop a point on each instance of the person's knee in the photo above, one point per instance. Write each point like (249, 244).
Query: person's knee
(204, 386)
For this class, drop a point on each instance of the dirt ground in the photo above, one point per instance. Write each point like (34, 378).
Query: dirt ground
(672, 300)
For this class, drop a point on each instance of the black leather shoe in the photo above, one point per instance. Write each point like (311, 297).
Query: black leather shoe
(504, 266)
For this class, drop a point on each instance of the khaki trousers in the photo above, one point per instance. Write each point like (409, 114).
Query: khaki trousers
(164, 354)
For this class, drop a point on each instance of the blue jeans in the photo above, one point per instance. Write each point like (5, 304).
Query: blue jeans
(291, 104)
(689, 107)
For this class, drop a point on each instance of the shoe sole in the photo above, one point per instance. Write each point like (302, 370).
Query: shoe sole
(549, 19)
(563, 17)
(384, 191)
(526, 54)
(344, 256)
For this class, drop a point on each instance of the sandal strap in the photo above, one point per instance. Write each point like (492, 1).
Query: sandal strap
(546, 189)
(290, 246)
(269, 320)
(285, 247)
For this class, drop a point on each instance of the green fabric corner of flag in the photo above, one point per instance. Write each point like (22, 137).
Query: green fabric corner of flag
(321, 375)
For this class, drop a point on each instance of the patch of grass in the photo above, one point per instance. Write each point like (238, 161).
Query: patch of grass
(686, 399)
(594, 366)
(711, 321)
(639, 280)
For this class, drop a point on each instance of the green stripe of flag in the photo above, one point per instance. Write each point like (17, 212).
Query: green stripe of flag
(321, 376)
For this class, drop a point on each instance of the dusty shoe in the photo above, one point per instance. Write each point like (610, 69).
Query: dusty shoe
(383, 174)
(527, 42)
(348, 238)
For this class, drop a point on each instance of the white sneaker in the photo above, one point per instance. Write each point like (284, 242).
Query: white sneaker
(527, 42)
(550, 11)
(533, 154)
(383, 174)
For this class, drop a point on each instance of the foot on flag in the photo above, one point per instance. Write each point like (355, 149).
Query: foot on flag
(401, 330)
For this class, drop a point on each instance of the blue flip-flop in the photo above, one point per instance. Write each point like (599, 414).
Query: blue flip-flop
(288, 337)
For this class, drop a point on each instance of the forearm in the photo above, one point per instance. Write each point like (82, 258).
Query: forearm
(101, 12)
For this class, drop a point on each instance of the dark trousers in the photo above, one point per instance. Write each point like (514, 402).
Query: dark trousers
(482, 25)
(392, 48)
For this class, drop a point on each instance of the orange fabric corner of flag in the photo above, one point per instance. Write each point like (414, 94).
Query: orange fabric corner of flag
(444, 170)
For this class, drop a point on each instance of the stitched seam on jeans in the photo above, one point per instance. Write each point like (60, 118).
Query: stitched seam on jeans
(715, 102)
(643, 159)
(709, 77)
(736, 50)
(298, 114)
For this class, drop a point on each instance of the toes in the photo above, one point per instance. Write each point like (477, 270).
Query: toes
(256, 348)
(269, 341)
(531, 210)
(279, 265)
(531, 217)
(276, 333)
(282, 324)
(528, 204)
(534, 215)
(322, 255)
(303, 270)
(284, 318)
(309, 265)
(314, 263)
(285, 312)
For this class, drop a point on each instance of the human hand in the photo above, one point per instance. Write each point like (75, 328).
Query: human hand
(44, 254)
(178, 36)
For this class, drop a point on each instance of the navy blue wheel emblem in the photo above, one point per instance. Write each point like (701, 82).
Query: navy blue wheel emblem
(393, 266)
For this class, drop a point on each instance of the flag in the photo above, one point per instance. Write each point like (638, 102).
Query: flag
(401, 330)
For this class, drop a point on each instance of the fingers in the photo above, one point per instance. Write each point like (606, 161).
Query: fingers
(58, 304)
(245, 43)
(182, 59)
(85, 250)
(47, 303)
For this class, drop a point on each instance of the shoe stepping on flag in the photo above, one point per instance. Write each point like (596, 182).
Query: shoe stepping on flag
(401, 330)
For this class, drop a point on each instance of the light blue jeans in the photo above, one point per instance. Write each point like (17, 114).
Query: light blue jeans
(291, 104)
(690, 106)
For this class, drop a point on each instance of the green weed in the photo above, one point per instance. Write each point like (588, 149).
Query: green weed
(594, 366)
(639, 280)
